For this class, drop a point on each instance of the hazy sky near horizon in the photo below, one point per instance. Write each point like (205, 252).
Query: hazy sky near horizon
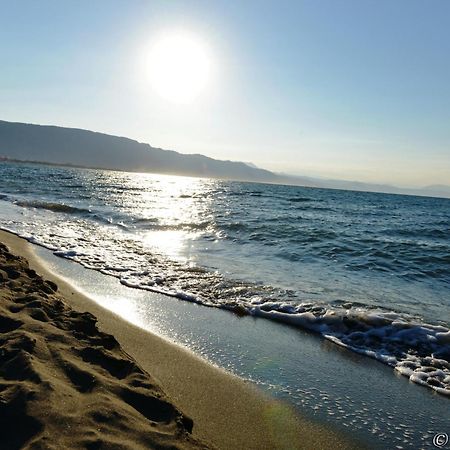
(349, 89)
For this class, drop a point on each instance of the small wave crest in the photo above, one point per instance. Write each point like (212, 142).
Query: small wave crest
(51, 206)
(300, 199)
(417, 350)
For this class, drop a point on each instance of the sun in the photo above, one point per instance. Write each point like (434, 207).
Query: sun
(179, 67)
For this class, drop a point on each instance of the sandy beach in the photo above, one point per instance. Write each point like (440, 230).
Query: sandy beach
(75, 375)
(65, 384)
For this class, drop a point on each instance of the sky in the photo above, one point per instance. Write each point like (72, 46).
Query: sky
(343, 89)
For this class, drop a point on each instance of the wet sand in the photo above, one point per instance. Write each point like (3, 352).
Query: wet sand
(75, 383)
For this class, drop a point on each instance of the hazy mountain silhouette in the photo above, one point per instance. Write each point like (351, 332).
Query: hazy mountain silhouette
(76, 147)
(84, 148)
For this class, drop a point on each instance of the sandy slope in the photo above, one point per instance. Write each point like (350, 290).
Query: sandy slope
(65, 384)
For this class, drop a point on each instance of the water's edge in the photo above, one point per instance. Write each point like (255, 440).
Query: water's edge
(284, 361)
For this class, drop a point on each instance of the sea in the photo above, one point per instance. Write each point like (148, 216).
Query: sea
(360, 279)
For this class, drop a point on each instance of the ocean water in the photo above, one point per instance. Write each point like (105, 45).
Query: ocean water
(368, 272)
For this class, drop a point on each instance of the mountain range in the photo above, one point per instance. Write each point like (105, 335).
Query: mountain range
(83, 148)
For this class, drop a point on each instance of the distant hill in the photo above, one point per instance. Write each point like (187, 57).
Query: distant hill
(428, 191)
(83, 148)
(438, 190)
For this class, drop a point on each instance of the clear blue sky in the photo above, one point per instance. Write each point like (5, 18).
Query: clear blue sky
(349, 89)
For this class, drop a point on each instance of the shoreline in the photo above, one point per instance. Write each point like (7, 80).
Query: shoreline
(66, 384)
(227, 412)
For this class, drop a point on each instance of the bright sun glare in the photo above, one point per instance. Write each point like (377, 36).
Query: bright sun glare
(179, 67)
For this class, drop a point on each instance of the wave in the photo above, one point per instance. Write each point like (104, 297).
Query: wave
(301, 199)
(73, 186)
(51, 206)
(417, 350)
(246, 193)
(429, 232)
(68, 209)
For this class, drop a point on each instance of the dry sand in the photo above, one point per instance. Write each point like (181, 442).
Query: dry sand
(66, 382)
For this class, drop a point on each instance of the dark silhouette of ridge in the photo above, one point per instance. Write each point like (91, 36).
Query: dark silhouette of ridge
(71, 146)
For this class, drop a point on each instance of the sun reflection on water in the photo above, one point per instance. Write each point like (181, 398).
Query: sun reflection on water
(169, 211)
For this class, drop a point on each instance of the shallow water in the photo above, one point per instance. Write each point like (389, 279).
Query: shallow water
(369, 272)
